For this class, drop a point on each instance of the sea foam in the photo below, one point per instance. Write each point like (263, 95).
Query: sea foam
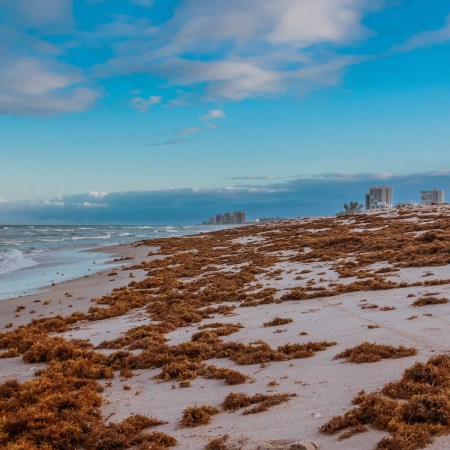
(13, 260)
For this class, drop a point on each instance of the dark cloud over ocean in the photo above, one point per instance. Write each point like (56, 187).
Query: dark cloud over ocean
(298, 197)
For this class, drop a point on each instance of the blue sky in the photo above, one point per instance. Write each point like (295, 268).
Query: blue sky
(187, 108)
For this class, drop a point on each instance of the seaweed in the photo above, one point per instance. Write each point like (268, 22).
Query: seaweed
(368, 352)
(426, 301)
(195, 416)
(237, 400)
(278, 321)
(412, 410)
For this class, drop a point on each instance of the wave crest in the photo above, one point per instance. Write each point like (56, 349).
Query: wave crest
(13, 260)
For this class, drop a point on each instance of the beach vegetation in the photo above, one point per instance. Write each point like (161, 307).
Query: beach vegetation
(352, 207)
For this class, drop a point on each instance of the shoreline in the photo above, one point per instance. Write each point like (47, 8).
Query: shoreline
(35, 259)
(103, 283)
(81, 289)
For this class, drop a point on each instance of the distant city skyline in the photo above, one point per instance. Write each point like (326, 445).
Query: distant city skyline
(185, 107)
(380, 197)
(227, 218)
(323, 195)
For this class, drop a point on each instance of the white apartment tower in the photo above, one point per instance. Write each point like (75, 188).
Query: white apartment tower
(379, 197)
(434, 197)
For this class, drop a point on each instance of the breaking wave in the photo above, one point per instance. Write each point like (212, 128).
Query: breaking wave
(13, 260)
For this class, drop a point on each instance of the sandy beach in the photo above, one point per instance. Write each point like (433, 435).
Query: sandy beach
(275, 303)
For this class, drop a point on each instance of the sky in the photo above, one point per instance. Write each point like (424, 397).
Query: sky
(170, 111)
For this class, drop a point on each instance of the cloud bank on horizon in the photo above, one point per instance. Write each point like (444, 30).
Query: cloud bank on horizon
(323, 194)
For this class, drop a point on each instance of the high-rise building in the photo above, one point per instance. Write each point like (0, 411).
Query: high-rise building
(228, 218)
(433, 197)
(379, 197)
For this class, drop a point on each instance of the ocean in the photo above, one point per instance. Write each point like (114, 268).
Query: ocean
(32, 257)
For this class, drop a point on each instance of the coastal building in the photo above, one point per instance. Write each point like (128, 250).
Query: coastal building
(379, 197)
(235, 217)
(433, 197)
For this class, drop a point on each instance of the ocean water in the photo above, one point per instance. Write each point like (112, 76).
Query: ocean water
(32, 257)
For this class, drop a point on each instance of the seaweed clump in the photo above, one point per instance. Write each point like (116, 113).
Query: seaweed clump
(277, 321)
(195, 416)
(426, 301)
(61, 410)
(412, 410)
(221, 443)
(237, 400)
(368, 352)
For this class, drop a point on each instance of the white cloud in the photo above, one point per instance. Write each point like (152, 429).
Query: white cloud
(30, 76)
(2, 200)
(54, 203)
(74, 100)
(49, 14)
(198, 24)
(123, 26)
(33, 78)
(92, 205)
(425, 39)
(309, 21)
(233, 80)
(216, 49)
(238, 49)
(144, 3)
(258, 178)
(77, 201)
(187, 131)
(143, 104)
(170, 142)
(440, 173)
(350, 176)
(325, 74)
(98, 194)
(213, 114)
(252, 189)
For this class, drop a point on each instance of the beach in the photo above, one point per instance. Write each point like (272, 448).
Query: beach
(35, 256)
(80, 290)
(261, 310)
